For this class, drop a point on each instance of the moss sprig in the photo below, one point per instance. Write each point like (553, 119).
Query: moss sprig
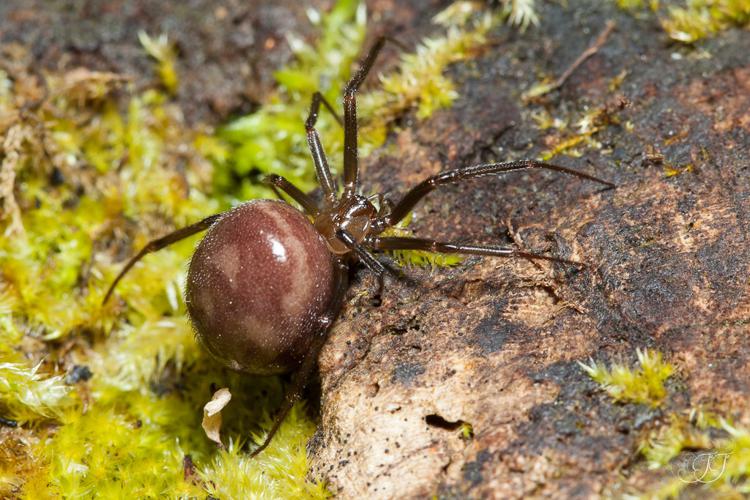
(26, 395)
(716, 455)
(644, 384)
(418, 258)
(419, 80)
(695, 19)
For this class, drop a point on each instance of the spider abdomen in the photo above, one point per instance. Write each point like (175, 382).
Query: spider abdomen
(258, 285)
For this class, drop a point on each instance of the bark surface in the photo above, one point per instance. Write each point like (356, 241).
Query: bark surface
(495, 343)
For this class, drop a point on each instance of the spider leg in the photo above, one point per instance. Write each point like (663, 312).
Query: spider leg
(419, 191)
(317, 99)
(160, 243)
(302, 375)
(366, 257)
(323, 172)
(399, 243)
(351, 170)
(278, 182)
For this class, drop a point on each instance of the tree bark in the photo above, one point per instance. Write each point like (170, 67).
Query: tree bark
(494, 343)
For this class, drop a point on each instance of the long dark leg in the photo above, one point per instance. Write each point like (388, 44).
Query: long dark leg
(419, 191)
(307, 203)
(160, 243)
(326, 180)
(399, 243)
(363, 255)
(317, 100)
(351, 170)
(302, 375)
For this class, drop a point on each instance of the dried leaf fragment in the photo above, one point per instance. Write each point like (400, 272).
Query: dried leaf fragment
(212, 414)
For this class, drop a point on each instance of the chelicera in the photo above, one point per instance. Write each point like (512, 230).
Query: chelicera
(267, 281)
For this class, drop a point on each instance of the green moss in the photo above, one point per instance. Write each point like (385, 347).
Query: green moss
(638, 4)
(644, 385)
(466, 431)
(273, 140)
(163, 51)
(570, 135)
(720, 460)
(89, 177)
(92, 181)
(27, 395)
(419, 80)
(279, 472)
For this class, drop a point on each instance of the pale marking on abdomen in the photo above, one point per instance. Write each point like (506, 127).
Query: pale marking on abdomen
(295, 300)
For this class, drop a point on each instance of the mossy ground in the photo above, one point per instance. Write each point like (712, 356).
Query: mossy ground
(105, 400)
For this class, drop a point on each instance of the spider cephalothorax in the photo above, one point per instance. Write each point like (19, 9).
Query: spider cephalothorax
(265, 284)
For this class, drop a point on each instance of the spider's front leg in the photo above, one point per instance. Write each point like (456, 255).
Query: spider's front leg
(390, 243)
(351, 169)
(278, 182)
(421, 190)
(323, 172)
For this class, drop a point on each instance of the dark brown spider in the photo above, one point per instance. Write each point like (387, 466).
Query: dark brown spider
(265, 284)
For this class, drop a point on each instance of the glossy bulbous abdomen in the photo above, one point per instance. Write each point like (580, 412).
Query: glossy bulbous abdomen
(259, 282)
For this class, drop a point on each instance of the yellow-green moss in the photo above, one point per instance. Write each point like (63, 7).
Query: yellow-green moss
(698, 430)
(162, 50)
(719, 464)
(644, 384)
(697, 19)
(272, 139)
(87, 179)
(27, 395)
(418, 258)
(419, 80)
(580, 130)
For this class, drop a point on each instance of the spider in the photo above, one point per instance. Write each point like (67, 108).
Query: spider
(265, 284)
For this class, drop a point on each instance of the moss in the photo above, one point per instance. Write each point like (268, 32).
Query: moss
(568, 140)
(699, 450)
(696, 448)
(520, 13)
(466, 431)
(279, 472)
(695, 19)
(702, 18)
(418, 258)
(28, 395)
(163, 51)
(93, 169)
(419, 80)
(644, 385)
(273, 140)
